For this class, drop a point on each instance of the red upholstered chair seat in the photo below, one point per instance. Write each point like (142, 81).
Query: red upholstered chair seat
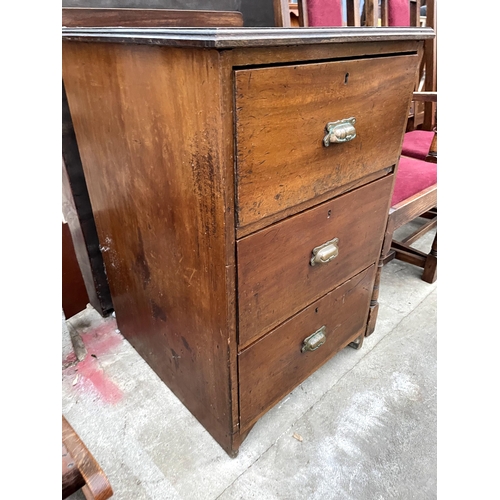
(417, 143)
(323, 13)
(412, 177)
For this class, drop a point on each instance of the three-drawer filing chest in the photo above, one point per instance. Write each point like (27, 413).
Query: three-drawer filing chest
(240, 181)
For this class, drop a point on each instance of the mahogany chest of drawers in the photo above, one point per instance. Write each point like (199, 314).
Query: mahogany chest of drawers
(240, 181)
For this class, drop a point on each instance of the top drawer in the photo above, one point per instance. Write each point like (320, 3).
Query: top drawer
(281, 114)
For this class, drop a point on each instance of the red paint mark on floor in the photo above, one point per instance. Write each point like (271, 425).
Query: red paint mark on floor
(69, 359)
(88, 374)
(91, 376)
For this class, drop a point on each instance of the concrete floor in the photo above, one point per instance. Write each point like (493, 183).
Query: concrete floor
(366, 419)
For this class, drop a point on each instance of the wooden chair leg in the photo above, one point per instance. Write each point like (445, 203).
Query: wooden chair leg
(373, 311)
(430, 267)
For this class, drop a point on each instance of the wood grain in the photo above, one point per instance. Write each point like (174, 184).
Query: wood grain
(409, 209)
(102, 17)
(320, 52)
(72, 480)
(77, 211)
(275, 365)
(97, 486)
(300, 207)
(154, 114)
(281, 114)
(156, 179)
(275, 262)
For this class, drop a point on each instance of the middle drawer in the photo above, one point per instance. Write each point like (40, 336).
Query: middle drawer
(276, 275)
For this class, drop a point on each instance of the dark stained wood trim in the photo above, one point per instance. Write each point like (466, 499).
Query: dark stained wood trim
(425, 96)
(352, 13)
(227, 38)
(302, 53)
(77, 211)
(74, 294)
(303, 14)
(409, 240)
(406, 210)
(374, 303)
(430, 54)
(102, 17)
(226, 76)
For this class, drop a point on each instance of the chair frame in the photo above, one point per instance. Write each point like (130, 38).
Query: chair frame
(421, 205)
(80, 470)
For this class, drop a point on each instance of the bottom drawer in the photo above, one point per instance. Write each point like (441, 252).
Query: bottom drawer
(277, 363)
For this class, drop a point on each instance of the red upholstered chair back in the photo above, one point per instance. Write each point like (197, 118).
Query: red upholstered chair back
(398, 12)
(324, 12)
(391, 13)
(317, 13)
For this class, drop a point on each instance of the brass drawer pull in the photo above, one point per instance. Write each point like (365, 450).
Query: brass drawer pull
(325, 252)
(317, 339)
(340, 131)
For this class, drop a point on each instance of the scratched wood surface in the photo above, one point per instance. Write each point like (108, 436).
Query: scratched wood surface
(275, 262)
(155, 127)
(275, 365)
(281, 114)
(156, 182)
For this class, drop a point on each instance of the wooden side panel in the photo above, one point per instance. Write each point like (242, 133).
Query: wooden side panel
(281, 118)
(275, 276)
(275, 365)
(148, 124)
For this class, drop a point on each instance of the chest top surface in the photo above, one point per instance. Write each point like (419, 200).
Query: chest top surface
(228, 38)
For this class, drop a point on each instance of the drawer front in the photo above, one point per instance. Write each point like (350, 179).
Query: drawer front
(275, 275)
(281, 114)
(276, 364)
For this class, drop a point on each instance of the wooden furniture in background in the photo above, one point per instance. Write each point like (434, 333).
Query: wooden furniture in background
(77, 209)
(312, 13)
(293, 8)
(414, 198)
(78, 16)
(80, 469)
(282, 13)
(415, 195)
(74, 293)
(243, 212)
(419, 200)
(407, 13)
(78, 213)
